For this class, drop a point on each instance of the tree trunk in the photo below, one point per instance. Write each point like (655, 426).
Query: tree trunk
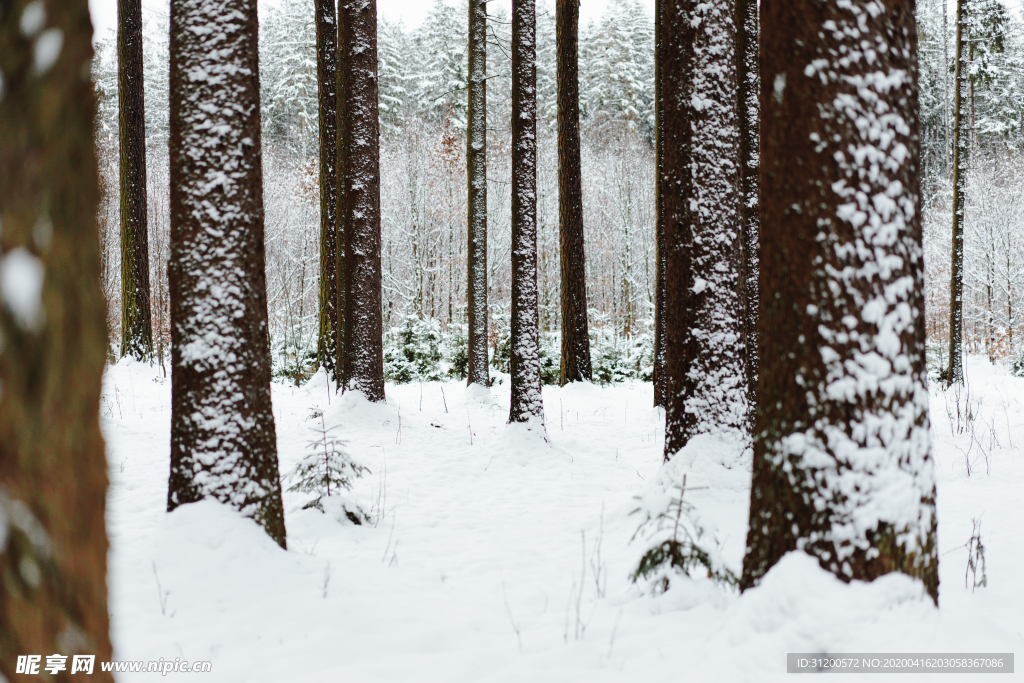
(575, 333)
(747, 77)
(136, 322)
(53, 468)
(526, 403)
(223, 441)
(704, 355)
(364, 333)
(842, 419)
(961, 146)
(662, 190)
(326, 76)
(476, 176)
(341, 198)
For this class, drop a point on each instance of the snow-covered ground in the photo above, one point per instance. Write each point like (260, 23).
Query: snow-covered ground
(493, 558)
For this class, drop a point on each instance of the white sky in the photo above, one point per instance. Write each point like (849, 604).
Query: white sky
(412, 12)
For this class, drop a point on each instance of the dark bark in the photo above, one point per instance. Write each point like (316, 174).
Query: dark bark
(363, 317)
(674, 50)
(842, 411)
(136, 321)
(53, 468)
(223, 441)
(326, 76)
(341, 208)
(476, 176)
(575, 333)
(526, 403)
(961, 161)
(706, 377)
(747, 78)
(661, 191)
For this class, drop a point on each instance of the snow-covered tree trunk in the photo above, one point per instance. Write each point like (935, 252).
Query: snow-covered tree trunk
(136, 323)
(961, 147)
(526, 403)
(705, 351)
(749, 117)
(223, 440)
(363, 328)
(326, 67)
(476, 180)
(53, 468)
(842, 458)
(575, 332)
(341, 360)
(661, 191)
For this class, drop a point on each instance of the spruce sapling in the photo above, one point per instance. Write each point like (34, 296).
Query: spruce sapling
(327, 470)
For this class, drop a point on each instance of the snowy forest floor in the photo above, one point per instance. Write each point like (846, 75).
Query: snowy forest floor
(504, 559)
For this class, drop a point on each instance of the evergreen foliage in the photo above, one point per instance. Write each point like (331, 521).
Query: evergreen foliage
(326, 471)
(413, 351)
(678, 543)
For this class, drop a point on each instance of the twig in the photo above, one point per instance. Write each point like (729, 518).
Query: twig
(161, 594)
(615, 630)
(390, 534)
(444, 399)
(398, 434)
(508, 610)
(327, 577)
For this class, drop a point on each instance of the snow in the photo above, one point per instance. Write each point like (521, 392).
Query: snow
(474, 567)
(21, 285)
(47, 49)
(33, 17)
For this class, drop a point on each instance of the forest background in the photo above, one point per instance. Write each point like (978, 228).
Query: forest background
(423, 185)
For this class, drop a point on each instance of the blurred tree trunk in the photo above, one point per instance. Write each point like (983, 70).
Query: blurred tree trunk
(661, 192)
(961, 161)
(53, 468)
(136, 322)
(575, 333)
(360, 138)
(476, 174)
(223, 440)
(326, 76)
(842, 413)
(526, 403)
(748, 80)
(705, 352)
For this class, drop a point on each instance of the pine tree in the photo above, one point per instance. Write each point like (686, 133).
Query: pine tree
(445, 65)
(136, 322)
(476, 176)
(359, 135)
(706, 380)
(961, 160)
(327, 64)
(527, 406)
(223, 441)
(575, 333)
(53, 479)
(842, 463)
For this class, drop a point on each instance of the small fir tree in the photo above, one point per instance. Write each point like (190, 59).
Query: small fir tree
(327, 470)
